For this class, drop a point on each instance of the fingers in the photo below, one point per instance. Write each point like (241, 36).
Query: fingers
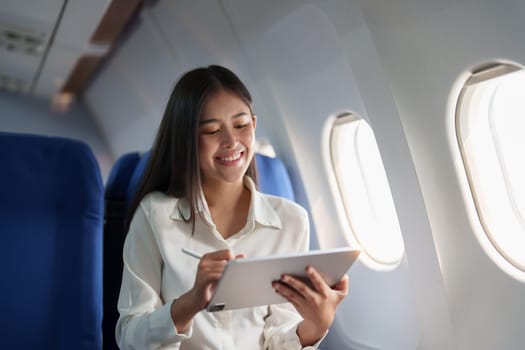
(224, 254)
(316, 304)
(289, 293)
(298, 286)
(318, 286)
(296, 291)
(212, 264)
(343, 285)
(317, 281)
(209, 271)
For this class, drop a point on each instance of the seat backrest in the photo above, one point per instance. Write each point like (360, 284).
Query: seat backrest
(115, 202)
(122, 183)
(273, 177)
(118, 180)
(51, 215)
(136, 176)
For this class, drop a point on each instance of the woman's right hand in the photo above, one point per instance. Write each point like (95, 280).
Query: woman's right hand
(209, 271)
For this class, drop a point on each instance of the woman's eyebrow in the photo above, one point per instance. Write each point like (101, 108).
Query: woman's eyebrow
(212, 120)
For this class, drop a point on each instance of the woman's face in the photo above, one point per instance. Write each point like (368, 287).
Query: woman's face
(226, 139)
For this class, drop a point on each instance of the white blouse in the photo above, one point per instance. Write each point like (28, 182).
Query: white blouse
(156, 272)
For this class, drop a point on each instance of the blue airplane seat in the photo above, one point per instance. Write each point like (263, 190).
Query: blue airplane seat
(137, 176)
(120, 175)
(120, 187)
(51, 218)
(115, 201)
(273, 177)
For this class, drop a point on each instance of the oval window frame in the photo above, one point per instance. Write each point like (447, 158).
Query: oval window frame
(485, 74)
(368, 255)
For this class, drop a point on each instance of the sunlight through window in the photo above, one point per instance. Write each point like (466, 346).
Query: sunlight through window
(364, 190)
(490, 130)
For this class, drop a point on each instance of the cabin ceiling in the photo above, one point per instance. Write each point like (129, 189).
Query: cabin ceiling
(53, 46)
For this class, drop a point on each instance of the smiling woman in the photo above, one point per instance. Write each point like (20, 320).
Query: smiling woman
(226, 139)
(199, 192)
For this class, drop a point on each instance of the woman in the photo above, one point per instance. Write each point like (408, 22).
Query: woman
(199, 193)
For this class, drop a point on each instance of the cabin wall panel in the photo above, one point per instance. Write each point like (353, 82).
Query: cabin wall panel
(423, 263)
(129, 94)
(297, 57)
(424, 47)
(185, 27)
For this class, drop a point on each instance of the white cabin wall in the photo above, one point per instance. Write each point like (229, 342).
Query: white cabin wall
(424, 47)
(298, 52)
(381, 112)
(129, 95)
(26, 114)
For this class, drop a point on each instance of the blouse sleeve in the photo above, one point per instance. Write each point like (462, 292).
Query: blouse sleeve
(280, 329)
(145, 321)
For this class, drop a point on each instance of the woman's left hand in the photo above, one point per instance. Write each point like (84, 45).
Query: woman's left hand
(316, 305)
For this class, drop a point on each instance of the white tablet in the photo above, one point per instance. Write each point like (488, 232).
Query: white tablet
(248, 282)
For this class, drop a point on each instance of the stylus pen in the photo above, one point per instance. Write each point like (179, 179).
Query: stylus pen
(191, 253)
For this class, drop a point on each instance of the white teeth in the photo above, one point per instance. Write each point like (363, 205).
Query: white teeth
(231, 158)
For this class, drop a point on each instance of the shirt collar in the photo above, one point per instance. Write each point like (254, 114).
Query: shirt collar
(260, 207)
(260, 211)
(182, 208)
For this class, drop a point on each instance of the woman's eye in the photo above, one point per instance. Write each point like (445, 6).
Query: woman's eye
(211, 132)
(240, 126)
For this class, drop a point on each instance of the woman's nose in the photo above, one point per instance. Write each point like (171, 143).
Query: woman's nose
(228, 138)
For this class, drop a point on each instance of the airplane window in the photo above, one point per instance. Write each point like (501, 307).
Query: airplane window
(490, 128)
(364, 191)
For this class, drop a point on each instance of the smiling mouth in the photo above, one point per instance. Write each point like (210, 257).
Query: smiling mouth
(231, 158)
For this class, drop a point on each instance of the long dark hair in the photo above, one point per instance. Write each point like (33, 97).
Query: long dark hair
(173, 166)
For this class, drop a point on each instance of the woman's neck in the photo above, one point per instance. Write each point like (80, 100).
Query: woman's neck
(229, 205)
(223, 194)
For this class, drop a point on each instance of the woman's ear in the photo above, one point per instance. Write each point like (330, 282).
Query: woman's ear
(254, 121)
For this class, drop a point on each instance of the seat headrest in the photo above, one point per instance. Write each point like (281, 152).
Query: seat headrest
(120, 176)
(273, 177)
(137, 175)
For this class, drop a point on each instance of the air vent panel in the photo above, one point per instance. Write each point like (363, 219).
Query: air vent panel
(25, 41)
